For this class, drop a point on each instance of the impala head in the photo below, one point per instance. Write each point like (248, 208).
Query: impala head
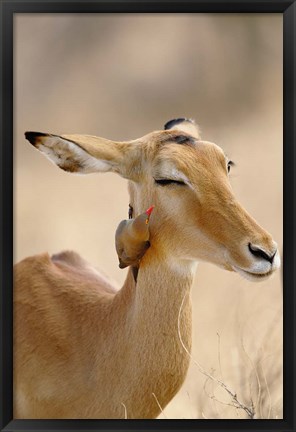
(196, 215)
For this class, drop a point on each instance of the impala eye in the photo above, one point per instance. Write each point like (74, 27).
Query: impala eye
(229, 165)
(166, 182)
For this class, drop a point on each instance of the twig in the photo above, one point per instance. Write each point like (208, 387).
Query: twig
(213, 397)
(258, 401)
(267, 389)
(233, 395)
(219, 354)
(190, 404)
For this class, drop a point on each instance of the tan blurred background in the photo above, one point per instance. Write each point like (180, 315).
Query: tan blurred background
(121, 76)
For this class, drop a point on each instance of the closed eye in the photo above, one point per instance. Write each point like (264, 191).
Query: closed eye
(165, 182)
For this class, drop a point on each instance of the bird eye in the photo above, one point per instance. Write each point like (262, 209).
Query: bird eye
(165, 182)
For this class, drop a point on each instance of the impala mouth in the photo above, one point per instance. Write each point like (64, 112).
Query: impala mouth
(253, 276)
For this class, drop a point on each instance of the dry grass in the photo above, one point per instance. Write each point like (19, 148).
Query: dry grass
(254, 394)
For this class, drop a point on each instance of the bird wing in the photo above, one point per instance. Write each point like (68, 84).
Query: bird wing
(119, 234)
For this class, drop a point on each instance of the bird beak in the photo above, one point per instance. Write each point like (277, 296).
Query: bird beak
(148, 212)
(121, 264)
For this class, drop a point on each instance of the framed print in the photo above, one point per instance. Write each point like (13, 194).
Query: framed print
(128, 299)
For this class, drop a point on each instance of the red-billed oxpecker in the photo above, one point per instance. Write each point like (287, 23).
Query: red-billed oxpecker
(132, 239)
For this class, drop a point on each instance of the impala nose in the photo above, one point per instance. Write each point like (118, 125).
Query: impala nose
(260, 253)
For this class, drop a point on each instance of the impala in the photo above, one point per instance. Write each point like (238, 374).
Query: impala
(85, 350)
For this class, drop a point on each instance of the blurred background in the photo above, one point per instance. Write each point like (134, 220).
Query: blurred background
(121, 76)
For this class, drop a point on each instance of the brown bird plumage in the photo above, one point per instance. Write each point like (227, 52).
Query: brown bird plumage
(132, 239)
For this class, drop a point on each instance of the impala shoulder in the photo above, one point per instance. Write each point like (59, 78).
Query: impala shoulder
(70, 258)
(35, 262)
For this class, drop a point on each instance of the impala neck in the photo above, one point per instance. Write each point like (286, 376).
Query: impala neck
(155, 299)
(158, 314)
(160, 290)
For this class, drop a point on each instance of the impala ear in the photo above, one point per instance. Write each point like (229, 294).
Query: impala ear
(83, 154)
(185, 125)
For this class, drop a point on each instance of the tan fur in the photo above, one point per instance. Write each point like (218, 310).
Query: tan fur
(83, 350)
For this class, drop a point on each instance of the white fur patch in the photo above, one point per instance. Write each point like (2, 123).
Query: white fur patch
(259, 271)
(262, 266)
(169, 171)
(179, 175)
(189, 127)
(71, 157)
(276, 261)
(254, 277)
(90, 163)
(183, 268)
(49, 153)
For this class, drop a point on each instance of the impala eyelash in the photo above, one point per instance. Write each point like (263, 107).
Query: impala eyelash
(165, 182)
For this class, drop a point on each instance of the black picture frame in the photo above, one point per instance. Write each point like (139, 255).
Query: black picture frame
(8, 9)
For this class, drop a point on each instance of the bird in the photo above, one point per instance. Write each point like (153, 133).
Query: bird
(132, 239)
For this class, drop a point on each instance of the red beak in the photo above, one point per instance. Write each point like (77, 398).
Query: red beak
(149, 211)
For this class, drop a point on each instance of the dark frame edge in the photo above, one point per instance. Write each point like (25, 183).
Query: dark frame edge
(289, 91)
(6, 220)
(146, 6)
(145, 425)
(6, 253)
